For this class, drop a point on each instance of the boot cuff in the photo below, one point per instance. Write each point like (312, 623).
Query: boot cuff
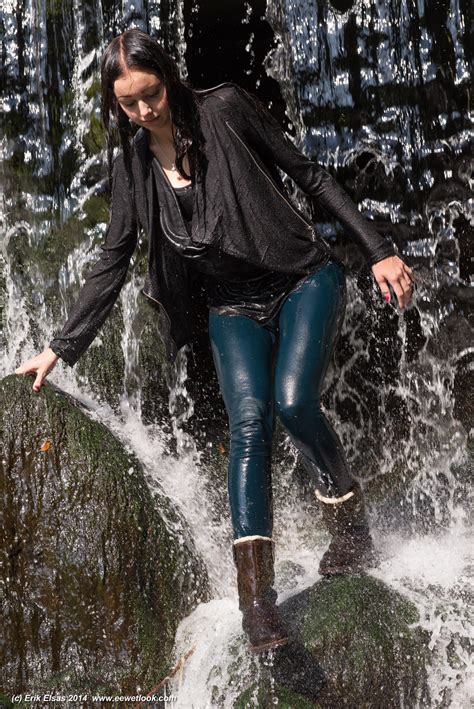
(251, 538)
(333, 500)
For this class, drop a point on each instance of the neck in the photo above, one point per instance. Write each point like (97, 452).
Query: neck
(163, 138)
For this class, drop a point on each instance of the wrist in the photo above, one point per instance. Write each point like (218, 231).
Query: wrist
(52, 354)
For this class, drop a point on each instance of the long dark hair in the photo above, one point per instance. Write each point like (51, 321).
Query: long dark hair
(135, 48)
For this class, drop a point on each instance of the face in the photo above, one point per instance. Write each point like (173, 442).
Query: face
(142, 95)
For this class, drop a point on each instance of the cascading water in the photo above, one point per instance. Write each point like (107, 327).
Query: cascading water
(391, 392)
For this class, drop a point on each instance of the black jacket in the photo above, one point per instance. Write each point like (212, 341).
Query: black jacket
(240, 204)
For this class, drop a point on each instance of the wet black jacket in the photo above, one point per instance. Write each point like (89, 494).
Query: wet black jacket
(240, 204)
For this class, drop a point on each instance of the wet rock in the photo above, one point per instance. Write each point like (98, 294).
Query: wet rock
(364, 636)
(266, 697)
(94, 582)
(453, 337)
(446, 190)
(154, 371)
(461, 296)
(144, 381)
(101, 368)
(462, 390)
(3, 303)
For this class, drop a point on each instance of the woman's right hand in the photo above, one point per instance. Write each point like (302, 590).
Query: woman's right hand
(42, 364)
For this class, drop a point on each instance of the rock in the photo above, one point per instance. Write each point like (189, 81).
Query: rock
(101, 368)
(267, 697)
(94, 583)
(461, 296)
(453, 338)
(144, 382)
(363, 634)
(462, 390)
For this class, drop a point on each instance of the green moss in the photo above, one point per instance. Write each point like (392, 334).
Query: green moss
(102, 366)
(270, 697)
(96, 210)
(347, 622)
(94, 89)
(342, 601)
(94, 139)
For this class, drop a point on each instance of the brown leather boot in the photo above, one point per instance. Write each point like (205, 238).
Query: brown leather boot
(254, 557)
(351, 548)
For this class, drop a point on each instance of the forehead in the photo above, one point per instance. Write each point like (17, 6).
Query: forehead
(135, 81)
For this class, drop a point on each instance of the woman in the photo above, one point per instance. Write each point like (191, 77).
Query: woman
(201, 178)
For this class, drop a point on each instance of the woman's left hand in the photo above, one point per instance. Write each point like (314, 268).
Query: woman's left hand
(392, 270)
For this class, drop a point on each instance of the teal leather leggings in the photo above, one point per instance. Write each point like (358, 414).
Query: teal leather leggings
(278, 368)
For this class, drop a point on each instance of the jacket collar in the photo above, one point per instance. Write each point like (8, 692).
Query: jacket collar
(143, 151)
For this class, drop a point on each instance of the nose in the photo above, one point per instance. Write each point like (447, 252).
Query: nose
(143, 109)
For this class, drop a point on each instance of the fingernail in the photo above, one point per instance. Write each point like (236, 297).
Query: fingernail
(387, 297)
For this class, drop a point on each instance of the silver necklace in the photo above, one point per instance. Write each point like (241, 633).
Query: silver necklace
(173, 164)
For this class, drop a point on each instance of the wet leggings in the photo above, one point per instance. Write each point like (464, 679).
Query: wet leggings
(278, 368)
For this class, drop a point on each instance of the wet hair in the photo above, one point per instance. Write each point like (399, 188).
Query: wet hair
(135, 48)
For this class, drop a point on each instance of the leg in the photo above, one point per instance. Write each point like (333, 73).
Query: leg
(310, 322)
(242, 352)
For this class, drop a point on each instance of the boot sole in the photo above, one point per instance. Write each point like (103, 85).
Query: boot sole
(269, 646)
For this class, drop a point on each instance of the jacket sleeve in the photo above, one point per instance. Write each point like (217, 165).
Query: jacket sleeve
(105, 280)
(266, 136)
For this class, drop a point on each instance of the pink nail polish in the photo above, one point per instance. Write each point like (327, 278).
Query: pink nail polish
(387, 297)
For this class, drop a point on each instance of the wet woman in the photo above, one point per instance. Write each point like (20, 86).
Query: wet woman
(198, 172)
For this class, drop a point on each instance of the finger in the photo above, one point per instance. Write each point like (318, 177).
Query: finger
(405, 298)
(23, 368)
(406, 283)
(39, 380)
(399, 292)
(383, 285)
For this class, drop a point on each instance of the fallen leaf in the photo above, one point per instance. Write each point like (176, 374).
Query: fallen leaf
(46, 445)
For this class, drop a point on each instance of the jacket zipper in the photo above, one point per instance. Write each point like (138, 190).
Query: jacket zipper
(147, 295)
(308, 225)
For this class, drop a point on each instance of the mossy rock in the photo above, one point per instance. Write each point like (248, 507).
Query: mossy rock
(365, 636)
(94, 582)
(270, 696)
(101, 368)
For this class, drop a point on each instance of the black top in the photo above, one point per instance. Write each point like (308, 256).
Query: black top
(232, 285)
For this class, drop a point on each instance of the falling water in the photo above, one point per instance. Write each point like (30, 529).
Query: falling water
(399, 426)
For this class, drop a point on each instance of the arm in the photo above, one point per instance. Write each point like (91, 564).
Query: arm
(104, 282)
(266, 136)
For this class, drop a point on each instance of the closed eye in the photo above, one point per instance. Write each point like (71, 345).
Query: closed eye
(131, 103)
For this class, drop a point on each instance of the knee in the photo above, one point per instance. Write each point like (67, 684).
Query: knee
(292, 411)
(251, 422)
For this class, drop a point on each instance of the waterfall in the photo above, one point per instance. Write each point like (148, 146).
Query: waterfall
(378, 92)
